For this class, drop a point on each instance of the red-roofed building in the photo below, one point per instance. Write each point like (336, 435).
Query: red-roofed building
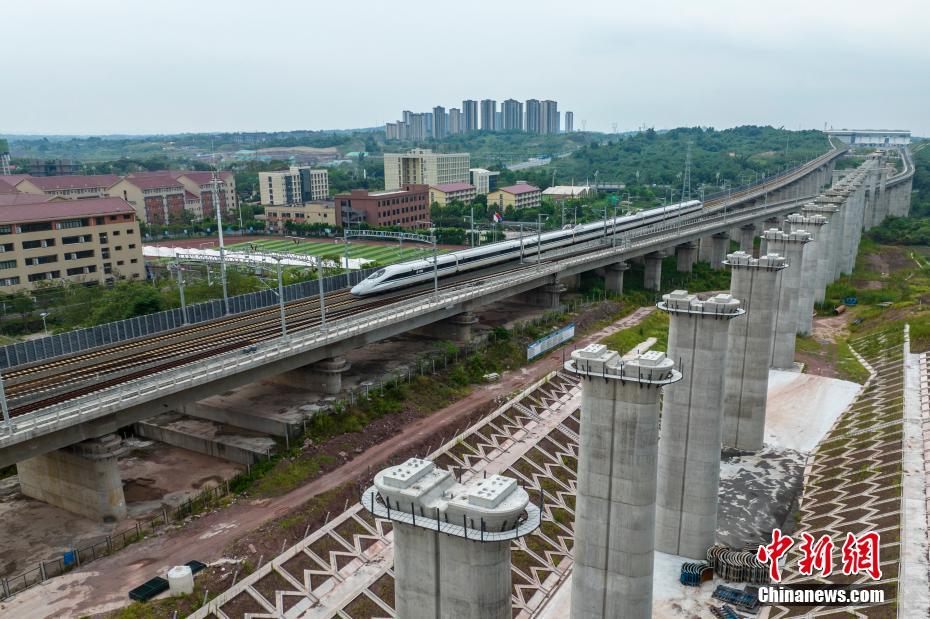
(519, 196)
(444, 193)
(72, 187)
(407, 207)
(172, 196)
(90, 241)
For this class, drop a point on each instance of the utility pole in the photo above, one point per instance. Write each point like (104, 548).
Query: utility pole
(5, 408)
(435, 267)
(319, 280)
(538, 239)
(181, 288)
(219, 227)
(281, 299)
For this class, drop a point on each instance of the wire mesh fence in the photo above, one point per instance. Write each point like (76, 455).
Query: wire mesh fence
(112, 332)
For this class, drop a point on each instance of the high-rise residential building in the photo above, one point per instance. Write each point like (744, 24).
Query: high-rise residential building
(569, 122)
(421, 166)
(455, 121)
(407, 116)
(4, 157)
(488, 113)
(470, 114)
(532, 116)
(548, 117)
(439, 122)
(498, 121)
(390, 131)
(512, 112)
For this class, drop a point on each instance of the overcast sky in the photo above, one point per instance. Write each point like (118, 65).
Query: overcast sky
(166, 66)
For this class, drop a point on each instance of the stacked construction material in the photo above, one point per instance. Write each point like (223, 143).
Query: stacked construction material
(737, 566)
(747, 599)
(694, 574)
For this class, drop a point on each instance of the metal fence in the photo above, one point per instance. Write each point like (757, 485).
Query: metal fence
(140, 326)
(113, 542)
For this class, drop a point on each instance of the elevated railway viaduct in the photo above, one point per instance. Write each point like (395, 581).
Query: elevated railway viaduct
(64, 410)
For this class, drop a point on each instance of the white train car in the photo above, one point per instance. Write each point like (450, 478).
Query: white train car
(414, 272)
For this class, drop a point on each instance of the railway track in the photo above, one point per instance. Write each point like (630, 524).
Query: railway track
(74, 379)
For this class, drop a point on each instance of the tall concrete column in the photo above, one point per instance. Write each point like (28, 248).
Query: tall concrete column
(83, 479)
(749, 348)
(721, 242)
(827, 249)
(571, 282)
(616, 491)
(613, 277)
(771, 223)
(652, 276)
(685, 257)
(451, 540)
(791, 246)
(747, 238)
(689, 443)
(837, 225)
(815, 225)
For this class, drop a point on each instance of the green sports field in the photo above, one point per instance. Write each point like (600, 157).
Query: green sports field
(382, 254)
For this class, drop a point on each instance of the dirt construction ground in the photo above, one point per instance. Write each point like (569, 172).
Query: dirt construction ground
(102, 586)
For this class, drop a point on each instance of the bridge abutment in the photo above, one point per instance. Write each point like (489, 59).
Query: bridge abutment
(83, 479)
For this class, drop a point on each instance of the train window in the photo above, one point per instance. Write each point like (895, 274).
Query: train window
(376, 274)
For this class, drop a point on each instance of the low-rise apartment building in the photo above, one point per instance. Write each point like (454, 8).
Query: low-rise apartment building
(293, 186)
(318, 212)
(170, 196)
(451, 192)
(407, 207)
(423, 166)
(519, 196)
(95, 240)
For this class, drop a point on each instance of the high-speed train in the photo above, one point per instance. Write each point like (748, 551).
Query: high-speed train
(414, 272)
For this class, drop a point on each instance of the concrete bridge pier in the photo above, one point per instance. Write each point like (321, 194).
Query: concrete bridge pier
(706, 249)
(457, 329)
(771, 223)
(83, 479)
(685, 257)
(791, 246)
(747, 238)
(826, 251)
(324, 376)
(571, 282)
(749, 348)
(815, 225)
(652, 276)
(721, 243)
(613, 277)
(616, 507)
(689, 442)
(548, 296)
